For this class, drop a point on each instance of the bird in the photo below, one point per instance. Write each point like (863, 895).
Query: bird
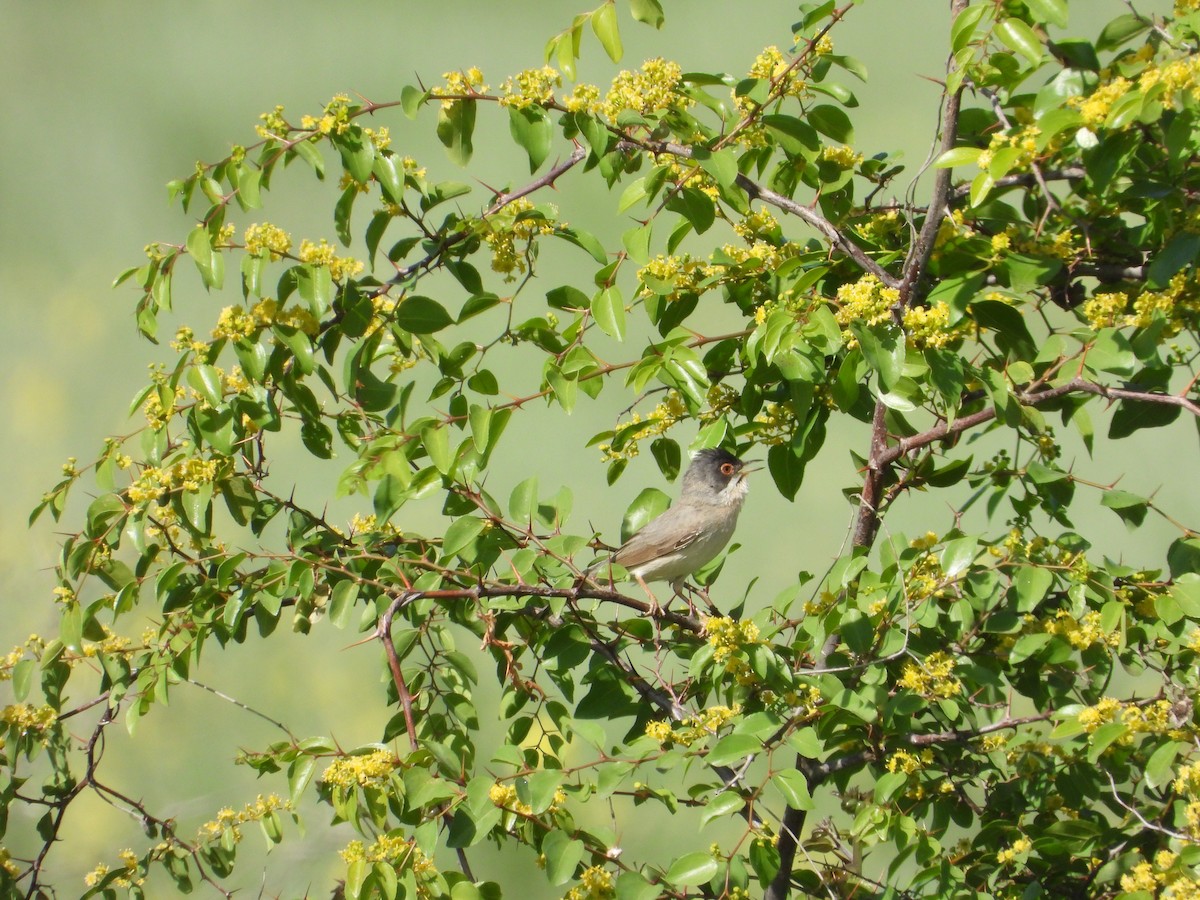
(690, 534)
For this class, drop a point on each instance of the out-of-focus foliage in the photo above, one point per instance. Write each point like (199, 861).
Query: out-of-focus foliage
(998, 712)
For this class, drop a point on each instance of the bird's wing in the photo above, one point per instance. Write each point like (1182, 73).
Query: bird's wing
(659, 538)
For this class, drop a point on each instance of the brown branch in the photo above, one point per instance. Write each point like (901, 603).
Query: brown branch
(501, 201)
(906, 445)
(384, 632)
(867, 525)
(827, 229)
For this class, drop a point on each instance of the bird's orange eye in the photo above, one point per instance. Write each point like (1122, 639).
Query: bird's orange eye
(727, 469)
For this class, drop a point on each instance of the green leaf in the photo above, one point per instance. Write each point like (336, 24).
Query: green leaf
(70, 628)
(794, 787)
(1120, 30)
(1019, 37)
(981, 186)
(608, 309)
(461, 534)
(604, 24)
(585, 240)
(831, 122)
(721, 165)
(796, 137)
(1180, 251)
(563, 855)
(455, 126)
(1031, 584)
(692, 869)
(341, 604)
(648, 11)
(959, 156)
(436, 440)
(958, 555)
(480, 418)
(533, 131)
(649, 504)
(1053, 12)
(422, 315)
(1160, 768)
(637, 243)
(883, 348)
(1130, 507)
(723, 806)
(208, 260)
(733, 748)
(341, 215)
(207, 382)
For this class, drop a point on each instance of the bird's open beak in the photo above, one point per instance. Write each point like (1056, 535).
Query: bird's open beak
(750, 465)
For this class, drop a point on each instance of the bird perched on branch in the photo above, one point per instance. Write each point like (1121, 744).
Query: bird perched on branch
(691, 533)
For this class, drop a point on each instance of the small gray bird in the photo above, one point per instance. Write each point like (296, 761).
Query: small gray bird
(693, 531)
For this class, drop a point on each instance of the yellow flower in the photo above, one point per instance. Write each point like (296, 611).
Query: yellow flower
(533, 87)
(933, 677)
(366, 769)
(648, 91)
(267, 240)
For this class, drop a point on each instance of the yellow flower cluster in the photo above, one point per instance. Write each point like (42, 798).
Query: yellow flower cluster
(156, 411)
(186, 475)
(583, 98)
(1178, 303)
(1024, 140)
(185, 342)
(1095, 107)
(683, 274)
(693, 728)
(933, 677)
(661, 419)
(771, 65)
(1008, 855)
(321, 254)
(843, 157)
(274, 125)
(1162, 878)
(366, 769)
(909, 763)
(595, 883)
(762, 254)
(727, 637)
(230, 819)
(865, 300)
(235, 322)
(335, 120)
(11, 659)
(506, 229)
(755, 225)
(929, 326)
(648, 91)
(533, 87)
(127, 879)
(7, 866)
(1187, 785)
(267, 312)
(1152, 718)
(504, 796)
(775, 423)
(390, 848)
(1082, 633)
(460, 84)
(265, 239)
(28, 718)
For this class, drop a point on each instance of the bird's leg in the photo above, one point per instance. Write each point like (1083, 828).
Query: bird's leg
(678, 588)
(703, 592)
(655, 609)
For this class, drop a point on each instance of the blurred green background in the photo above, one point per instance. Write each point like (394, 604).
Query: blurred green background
(106, 103)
